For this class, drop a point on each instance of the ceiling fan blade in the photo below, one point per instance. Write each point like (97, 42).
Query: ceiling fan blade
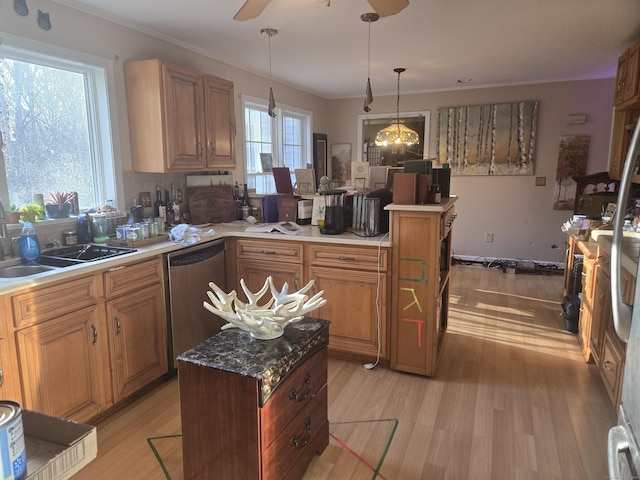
(251, 9)
(384, 8)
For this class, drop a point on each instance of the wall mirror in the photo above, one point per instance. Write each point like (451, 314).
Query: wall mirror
(393, 155)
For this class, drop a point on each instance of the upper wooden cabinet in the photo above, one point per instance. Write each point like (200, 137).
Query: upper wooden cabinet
(180, 120)
(627, 88)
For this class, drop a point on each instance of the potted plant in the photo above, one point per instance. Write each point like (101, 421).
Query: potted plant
(31, 212)
(13, 215)
(59, 204)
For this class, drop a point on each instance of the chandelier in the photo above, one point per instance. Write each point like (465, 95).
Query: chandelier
(397, 133)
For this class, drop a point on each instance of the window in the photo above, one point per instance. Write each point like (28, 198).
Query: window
(287, 137)
(54, 125)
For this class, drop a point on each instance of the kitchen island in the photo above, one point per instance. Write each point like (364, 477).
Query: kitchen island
(383, 309)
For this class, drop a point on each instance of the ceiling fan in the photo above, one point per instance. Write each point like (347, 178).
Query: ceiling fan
(384, 8)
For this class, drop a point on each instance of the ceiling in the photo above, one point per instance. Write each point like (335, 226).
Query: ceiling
(323, 49)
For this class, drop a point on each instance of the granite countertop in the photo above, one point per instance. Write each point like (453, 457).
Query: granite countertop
(268, 361)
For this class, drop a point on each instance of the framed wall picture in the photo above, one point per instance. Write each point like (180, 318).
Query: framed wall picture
(319, 156)
(341, 163)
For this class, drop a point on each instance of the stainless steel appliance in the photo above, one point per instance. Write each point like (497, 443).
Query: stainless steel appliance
(189, 272)
(623, 446)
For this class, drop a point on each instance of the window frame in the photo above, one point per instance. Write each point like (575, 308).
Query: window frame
(101, 102)
(277, 138)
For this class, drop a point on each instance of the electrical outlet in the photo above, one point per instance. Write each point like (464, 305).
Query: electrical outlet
(488, 237)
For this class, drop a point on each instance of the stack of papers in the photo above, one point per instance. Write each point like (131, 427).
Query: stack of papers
(288, 228)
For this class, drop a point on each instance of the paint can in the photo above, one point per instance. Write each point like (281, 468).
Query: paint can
(13, 456)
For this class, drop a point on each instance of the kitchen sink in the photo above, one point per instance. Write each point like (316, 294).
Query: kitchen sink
(77, 254)
(16, 271)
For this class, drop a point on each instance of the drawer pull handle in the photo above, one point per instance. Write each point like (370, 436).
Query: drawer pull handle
(1, 378)
(268, 252)
(302, 442)
(95, 334)
(346, 259)
(117, 325)
(607, 365)
(114, 269)
(294, 395)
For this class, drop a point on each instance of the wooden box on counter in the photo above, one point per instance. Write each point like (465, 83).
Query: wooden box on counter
(255, 409)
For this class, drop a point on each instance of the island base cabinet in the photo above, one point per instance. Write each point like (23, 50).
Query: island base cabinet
(228, 434)
(65, 365)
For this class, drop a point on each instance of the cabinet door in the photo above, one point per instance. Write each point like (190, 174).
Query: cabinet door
(255, 273)
(220, 123)
(352, 308)
(137, 330)
(184, 110)
(65, 365)
(623, 123)
(621, 74)
(631, 74)
(9, 383)
(601, 315)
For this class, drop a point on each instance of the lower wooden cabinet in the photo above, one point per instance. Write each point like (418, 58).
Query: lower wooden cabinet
(612, 366)
(354, 280)
(139, 342)
(78, 353)
(64, 365)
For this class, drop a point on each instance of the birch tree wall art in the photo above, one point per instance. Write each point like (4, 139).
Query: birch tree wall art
(494, 139)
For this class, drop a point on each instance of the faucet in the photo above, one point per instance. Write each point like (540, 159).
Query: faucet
(3, 228)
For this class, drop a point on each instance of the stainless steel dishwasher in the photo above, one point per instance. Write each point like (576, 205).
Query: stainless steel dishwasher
(189, 272)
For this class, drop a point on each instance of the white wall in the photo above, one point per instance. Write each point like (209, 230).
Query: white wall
(519, 214)
(88, 34)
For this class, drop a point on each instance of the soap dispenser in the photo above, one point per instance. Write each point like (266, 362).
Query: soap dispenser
(29, 245)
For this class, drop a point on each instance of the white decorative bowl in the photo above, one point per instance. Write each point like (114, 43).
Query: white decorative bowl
(267, 321)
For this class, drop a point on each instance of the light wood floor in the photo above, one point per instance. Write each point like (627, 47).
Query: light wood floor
(512, 399)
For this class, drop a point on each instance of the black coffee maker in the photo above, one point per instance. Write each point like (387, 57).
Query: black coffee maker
(333, 212)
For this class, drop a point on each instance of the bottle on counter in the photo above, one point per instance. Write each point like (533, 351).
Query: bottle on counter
(435, 194)
(160, 208)
(83, 229)
(29, 245)
(169, 212)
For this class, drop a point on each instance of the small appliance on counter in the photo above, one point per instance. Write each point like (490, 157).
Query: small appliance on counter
(334, 223)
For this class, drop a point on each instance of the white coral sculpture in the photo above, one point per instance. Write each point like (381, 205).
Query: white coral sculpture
(266, 321)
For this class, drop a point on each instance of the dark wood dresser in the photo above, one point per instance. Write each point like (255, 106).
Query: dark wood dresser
(255, 409)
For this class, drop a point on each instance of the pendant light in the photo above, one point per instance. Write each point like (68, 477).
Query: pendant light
(270, 32)
(397, 132)
(369, 17)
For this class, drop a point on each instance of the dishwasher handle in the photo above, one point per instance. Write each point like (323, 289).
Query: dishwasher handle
(186, 258)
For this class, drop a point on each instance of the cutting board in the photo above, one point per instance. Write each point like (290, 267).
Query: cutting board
(211, 204)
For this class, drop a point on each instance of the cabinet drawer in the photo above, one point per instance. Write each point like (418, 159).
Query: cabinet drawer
(129, 278)
(292, 395)
(362, 258)
(42, 304)
(611, 366)
(280, 457)
(282, 251)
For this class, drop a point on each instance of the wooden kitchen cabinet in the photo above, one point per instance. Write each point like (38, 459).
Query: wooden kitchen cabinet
(420, 290)
(355, 281)
(602, 315)
(136, 324)
(180, 120)
(88, 342)
(586, 307)
(624, 122)
(9, 376)
(612, 365)
(627, 88)
(64, 365)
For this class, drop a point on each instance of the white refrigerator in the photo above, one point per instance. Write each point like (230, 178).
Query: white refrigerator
(623, 446)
